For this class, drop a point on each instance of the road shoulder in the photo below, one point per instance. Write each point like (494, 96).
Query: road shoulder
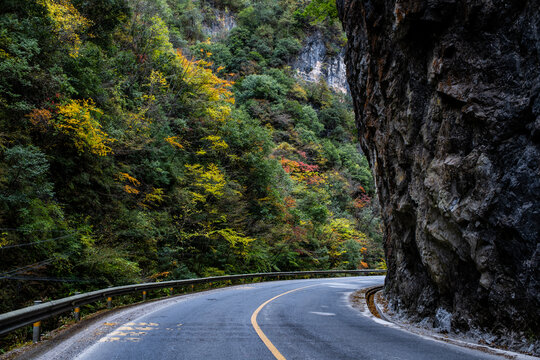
(387, 317)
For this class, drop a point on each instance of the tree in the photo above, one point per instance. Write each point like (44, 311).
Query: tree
(320, 10)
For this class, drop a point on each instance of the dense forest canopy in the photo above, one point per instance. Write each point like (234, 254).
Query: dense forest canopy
(134, 148)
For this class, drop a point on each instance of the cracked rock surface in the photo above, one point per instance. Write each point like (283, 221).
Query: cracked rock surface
(447, 100)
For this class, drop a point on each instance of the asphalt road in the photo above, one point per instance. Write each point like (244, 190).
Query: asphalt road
(298, 319)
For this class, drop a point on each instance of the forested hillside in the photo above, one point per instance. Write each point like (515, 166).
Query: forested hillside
(134, 148)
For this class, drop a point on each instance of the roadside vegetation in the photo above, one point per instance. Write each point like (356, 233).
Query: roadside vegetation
(133, 148)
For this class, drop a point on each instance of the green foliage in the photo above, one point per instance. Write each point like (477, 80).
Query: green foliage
(110, 266)
(285, 50)
(133, 148)
(260, 87)
(24, 177)
(320, 10)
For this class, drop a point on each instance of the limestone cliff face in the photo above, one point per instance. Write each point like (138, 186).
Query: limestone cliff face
(223, 21)
(447, 98)
(315, 63)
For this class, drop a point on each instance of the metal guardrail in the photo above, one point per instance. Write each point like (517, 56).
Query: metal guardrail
(35, 314)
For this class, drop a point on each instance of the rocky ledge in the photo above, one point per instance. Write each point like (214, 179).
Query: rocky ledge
(447, 99)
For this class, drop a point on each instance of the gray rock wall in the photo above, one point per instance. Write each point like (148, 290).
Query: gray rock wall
(223, 21)
(314, 63)
(447, 99)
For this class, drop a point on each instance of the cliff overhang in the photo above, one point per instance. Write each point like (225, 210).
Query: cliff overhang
(447, 101)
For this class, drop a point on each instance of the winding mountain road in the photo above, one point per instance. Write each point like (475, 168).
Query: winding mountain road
(296, 319)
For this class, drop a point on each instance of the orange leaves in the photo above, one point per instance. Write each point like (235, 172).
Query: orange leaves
(128, 178)
(130, 189)
(289, 202)
(40, 118)
(199, 73)
(163, 274)
(173, 141)
(148, 198)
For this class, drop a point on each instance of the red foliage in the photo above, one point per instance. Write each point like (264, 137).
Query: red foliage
(362, 201)
(301, 171)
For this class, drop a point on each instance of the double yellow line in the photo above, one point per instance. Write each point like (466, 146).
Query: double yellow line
(261, 334)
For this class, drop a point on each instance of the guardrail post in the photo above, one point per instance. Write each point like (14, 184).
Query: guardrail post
(36, 331)
(144, 295)
(109, 302)
(77, 310)
(36, 335)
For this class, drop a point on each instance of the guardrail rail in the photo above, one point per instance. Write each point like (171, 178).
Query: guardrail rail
(35, 314)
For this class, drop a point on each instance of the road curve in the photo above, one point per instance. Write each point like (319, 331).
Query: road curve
(301, 319)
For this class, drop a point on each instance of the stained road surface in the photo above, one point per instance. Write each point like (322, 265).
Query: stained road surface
(313, 321)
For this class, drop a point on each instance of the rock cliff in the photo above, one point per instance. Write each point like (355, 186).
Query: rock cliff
(221, 23)
(447, 99)
(315, 63)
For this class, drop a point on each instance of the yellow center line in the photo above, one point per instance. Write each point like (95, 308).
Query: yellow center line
(261, 334)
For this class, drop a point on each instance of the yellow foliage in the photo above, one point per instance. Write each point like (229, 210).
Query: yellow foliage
(68, 23)
(196, 197)
(137, 123)
(156, 196)
(298, 92)
(157, 80)
(210, 179)
(344, 229)
(3, 239)
(215, 93)
(217, 142)
(77, 119)
(235, 239)
(149, 98)
(219, 113)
